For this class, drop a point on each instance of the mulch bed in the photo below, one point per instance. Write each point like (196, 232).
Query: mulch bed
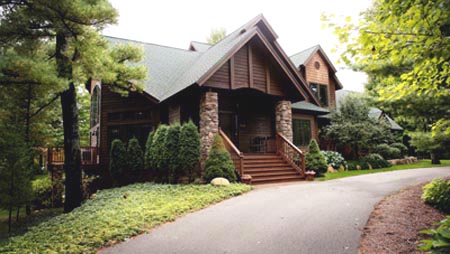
(394, 225)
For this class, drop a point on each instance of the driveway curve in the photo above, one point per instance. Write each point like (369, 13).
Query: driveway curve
(318, 217)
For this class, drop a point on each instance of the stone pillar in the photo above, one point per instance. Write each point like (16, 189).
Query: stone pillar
(283, 118)
(209, 122)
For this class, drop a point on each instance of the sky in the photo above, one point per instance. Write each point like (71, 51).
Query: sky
(297, 23)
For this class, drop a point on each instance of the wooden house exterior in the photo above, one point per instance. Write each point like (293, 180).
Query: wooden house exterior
(265, 105)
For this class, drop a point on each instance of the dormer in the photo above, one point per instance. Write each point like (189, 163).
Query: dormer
(316, 68)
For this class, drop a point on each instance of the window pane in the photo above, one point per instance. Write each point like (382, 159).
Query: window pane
(314, 89)
(323, 95)
(305, 132)
(296, 131)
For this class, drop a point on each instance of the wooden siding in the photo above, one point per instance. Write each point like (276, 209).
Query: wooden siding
(252, 66)
(321, 76)
(174, 113)
(113, 103)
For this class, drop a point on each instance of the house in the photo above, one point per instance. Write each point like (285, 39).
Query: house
(264, 104)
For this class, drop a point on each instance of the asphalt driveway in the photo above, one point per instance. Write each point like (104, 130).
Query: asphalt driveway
(318, 217)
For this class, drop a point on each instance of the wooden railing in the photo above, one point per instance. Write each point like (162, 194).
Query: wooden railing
(89, 156)
(291, 153)
(236, 155)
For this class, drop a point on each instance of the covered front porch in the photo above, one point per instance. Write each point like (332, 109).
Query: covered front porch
(257, 131)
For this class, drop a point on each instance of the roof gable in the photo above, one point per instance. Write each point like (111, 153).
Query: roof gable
(302, 58)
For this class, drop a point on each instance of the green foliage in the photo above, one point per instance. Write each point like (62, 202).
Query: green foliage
(135, 156)
(219, 162)
(429, 143)
(216, 35)
(189, 154)
(315, 160)
(437, 194)
(148, 156)
(388, 151)
(401, 147)
(375, 161)
(334, 159)
(173, 149)
(117, 159)
(440, 243)
(404, 48)
(159, 152)
(117, 214)
(351, 125)
(42, 192)
(348, 173)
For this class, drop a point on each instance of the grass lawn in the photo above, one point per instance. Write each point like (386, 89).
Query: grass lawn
(116, 214)
(421, 164)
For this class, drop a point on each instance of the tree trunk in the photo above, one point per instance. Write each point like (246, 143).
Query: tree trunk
(435, 158)
(9, 218)
(72, 154)
(28, 141)
(17, 214)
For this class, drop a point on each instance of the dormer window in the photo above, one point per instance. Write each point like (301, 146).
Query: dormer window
(321, 93)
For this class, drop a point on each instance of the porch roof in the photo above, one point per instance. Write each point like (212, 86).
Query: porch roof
(306, 106)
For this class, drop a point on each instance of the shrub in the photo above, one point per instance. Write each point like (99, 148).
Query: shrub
(117, 159)
(159, 152)
(387, 151)
(42, 192)
(440, 243)
(334, 159)
(437, 194)
(219, 163)
(135, 156)
(189, 155)
(148, 156)
(315, 160)
(375, 160)
(401, 147)
(172, 149)
(353, 165)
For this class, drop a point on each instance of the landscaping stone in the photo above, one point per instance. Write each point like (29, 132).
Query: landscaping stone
(330, 169)
(220, 181)
(247, 179)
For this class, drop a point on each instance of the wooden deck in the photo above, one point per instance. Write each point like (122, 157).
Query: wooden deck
(89, 156)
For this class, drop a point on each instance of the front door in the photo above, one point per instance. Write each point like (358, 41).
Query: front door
(229, 123)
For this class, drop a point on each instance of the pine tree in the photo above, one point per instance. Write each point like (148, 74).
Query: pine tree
(315, 160)
(172, 148)
(189, 155)
(117, 159)
(75, 51)
(135, 156)
(159, 152)
(219, 162)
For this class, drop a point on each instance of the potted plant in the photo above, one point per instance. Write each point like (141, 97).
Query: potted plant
(310, 175)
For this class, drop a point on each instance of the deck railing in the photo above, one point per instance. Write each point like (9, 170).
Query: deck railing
(291, 153)
(236, 155)
(89, 156)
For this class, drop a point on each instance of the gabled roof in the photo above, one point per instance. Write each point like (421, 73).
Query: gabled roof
(303, 57)
(171, 70)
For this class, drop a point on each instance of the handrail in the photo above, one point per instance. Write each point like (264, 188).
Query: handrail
(291, 153)
(236, 155)
(89, 155)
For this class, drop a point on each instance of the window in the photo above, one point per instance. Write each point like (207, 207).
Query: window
(95, 106)
(321, 93)
(301, 131)
(127, 132)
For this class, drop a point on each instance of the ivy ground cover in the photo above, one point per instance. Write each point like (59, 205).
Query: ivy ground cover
(115, 214)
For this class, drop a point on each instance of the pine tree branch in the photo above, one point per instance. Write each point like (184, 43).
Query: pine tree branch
(45, 105)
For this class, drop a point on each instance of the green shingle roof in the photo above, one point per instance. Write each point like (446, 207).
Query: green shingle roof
(302, 57)
(303, 105)
(171, 70)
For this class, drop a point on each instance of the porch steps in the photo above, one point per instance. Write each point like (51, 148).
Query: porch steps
(269, 168)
